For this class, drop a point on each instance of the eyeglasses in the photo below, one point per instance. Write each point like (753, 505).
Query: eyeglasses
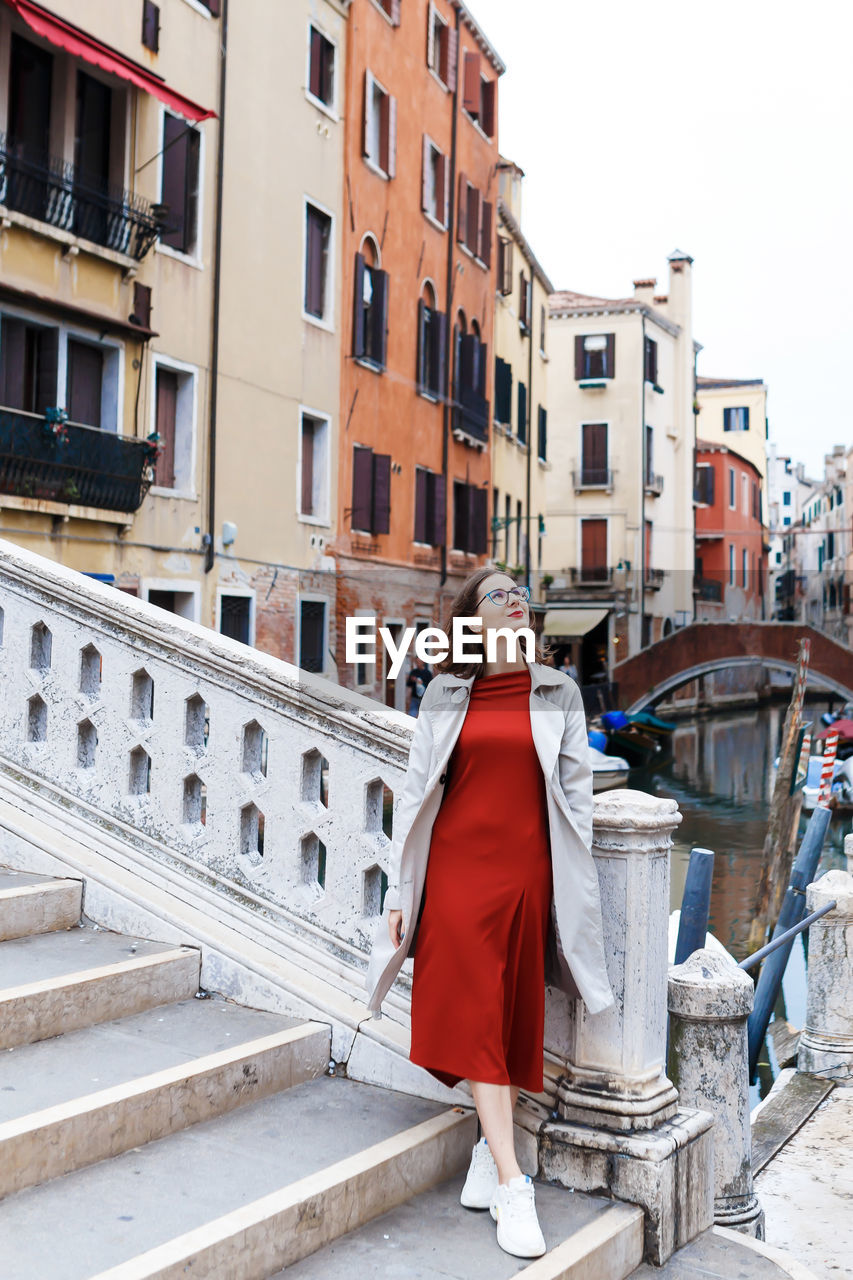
(499, 596)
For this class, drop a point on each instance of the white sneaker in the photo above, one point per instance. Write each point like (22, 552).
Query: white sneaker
(482, 1178)
(514, 1210)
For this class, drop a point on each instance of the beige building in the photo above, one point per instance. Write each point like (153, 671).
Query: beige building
(733, 412)
(148, 287)
(520, 416)
(620, 489)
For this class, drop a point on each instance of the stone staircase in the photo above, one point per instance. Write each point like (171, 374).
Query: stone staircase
(149, 1129)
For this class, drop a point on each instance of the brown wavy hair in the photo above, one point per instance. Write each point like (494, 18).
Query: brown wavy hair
(464, 605)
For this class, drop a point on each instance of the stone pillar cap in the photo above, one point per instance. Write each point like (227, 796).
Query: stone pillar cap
(710, 986)
(836, 885)
(626, 810)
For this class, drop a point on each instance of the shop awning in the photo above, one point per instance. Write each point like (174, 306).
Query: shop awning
(572, 623)
(81, 45)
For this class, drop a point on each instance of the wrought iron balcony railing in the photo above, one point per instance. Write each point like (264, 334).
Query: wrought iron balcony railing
(471, 413)
(592, 576)
(653, 579)
(55, 192)
(592, 478)
(89, 467)
(708, 589)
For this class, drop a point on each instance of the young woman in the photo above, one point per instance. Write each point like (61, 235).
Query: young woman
(491, 848)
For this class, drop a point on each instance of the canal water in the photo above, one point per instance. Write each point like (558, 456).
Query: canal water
(721, 775)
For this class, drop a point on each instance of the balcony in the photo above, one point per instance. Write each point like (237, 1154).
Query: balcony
(653, 485)
(471, 415)
(653, 579)
(593, 478)
(708, 589)
(90, 467)
(54, 192)
(592, 576)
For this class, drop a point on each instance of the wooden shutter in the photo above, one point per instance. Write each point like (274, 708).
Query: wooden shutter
(472, 229)
(425, 160)
(421, 486)
(471, 84)
(482, 366)
(358, 335)
(166, 410)
(367, 117)
(594, 549)
(451, 44)
(486, 234)
(214, 7)
(441, 189)
(141, 313)
(85, 379)
(479, 520)
(611, 355)
(594, 453)
(521, 427)
(391, 169)
(384, 157)
(462, 207)
(523, 317)
(438, 531)
(381, 493)
(307, 504)
(362, 488)
(439, 320)
(150, 25)
(488, 120)
(460, 515)
(315, 77)
(579, 356)
(421, 361)
(465, 372)
(12, 362)
(174, 185)
(47, 370)
(314, 264)
(379, 310)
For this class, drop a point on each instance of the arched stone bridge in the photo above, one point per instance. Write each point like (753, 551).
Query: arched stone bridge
(705, 647)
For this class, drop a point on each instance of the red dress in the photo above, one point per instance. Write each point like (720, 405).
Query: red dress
(478, 984)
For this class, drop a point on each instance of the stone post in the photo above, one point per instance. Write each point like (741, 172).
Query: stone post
(826, 1045)
(710, 999)
(617, 1127)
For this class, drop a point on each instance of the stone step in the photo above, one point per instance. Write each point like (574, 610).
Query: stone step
(242, 1195)
(37, 904)
(433, 1237)
(51, 983)
(92, 1094)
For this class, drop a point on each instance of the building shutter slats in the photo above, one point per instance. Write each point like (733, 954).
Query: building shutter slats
(166, 411)
(315, 84)
(379, 311)
(441, 192)
(471, 83)
(521, 426)
(594, 549)
(462, 209)
(381, 492)
(440, 346)
(358, 334)
(472, 230)
(439, 510)
(421, 363)
(367, 117)
(362, 488)
(47, 370)
(421, 485)
(486, 234)
(174, 183)
(488, 120)
(611, 355)
(391, 167)
(479, 520)
(579, 337)
(449, 74)
(12, 363)
(543, 433)
(425, 161)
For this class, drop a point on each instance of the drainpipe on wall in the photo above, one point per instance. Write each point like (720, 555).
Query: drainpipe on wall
(209, 537)
(451, 222)
(643, 484)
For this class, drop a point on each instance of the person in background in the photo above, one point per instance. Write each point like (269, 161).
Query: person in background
(417, 681)
(568, 667)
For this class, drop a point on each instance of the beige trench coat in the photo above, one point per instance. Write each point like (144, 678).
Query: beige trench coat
(575, 953)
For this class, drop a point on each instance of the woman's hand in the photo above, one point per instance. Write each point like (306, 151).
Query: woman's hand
(395, 927)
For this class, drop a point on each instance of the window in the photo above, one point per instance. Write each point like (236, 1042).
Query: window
(703, 487)
(370, 309)
(478, 98)
(756, 502)
(235, 617)
(786, 499)
(314, 466)
(731, 564)
(380, 127)
(318, 241)
(503, 391)
(542, 433)
(594, 550)
(470, 512)
(434, 186)
(180, 184)
(441, 48)
(525, 302)
(474, 223)
(732, 495)
(85, 381)
(432, 346)
(30, 92)
(150, 25)
(786, 520)
(29, 357)
(312, 634)
(595, 355)
(521, 421)
(430, 507)
(542, 316)
(471, 408)
(594, 469)
(504, 266)
(371, 490)
(651, 361)
(650, 454)
(174, 420)
(736, 419)
(321, 68)
(744, 561)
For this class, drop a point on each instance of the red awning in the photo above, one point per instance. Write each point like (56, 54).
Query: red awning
(81, 45)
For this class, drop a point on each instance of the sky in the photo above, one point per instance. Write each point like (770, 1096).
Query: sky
(724, 130)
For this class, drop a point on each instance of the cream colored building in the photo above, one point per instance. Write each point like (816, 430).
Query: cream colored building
(733, 412)
(520, 411)
(127, 300)
(620, 489)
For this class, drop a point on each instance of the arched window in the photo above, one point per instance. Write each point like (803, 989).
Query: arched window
(370, 306)
(432, 343)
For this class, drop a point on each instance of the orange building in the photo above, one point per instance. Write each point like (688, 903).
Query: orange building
(731, 559)
(418, 289)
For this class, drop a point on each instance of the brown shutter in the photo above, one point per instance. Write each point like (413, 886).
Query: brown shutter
(358, 334)
(381, 492)
(425, 161)
(462, 209)
(486, 234)
(460, 515)
(307, 506)
(439, 320)
(362, 488)
(314, 265)
(141, 313)
(439, 510)
(384, 131)
(85, 378)
(392, 137)
(214, 7)
(523, 317)
(594, 549)
(150, 25)
(594, 453)
(611, 355)
(488, 120)
(479, 520)
(449, 75)
(471, 84)
(472, 233)
(166, 410)
(421, 360)
(483, 357)
(368, 107)
(315, 78)
(441, 189)
(579, 353)
(47, 371)
(379, 311)
(174, 183)
(12, 362)
(421, 481)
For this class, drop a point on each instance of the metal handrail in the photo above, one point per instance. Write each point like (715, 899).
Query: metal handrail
(776, 943)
